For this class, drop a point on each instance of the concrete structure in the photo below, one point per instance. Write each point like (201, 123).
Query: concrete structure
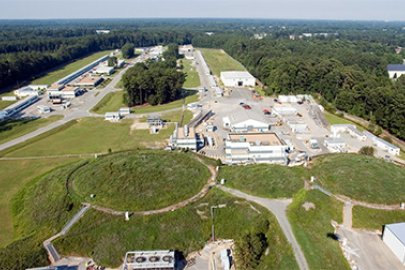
(104, 69)
(184, 138)
(17, 107)
(382, 144)
(67, 92)
(395, 71)
(112, 116)
(44, 109)
(218, 92)
(297, 127)
(255, 147)
(87, 81)
(284, 110)
(150, 260)
(187, 51)
(124, 111)
(335, 145)
(245, 121)
(25, 92)
(154, 120)
(237, 79)
(394, 238)
(347, 128)
(120, 63)
(290, 98)
(9, 98)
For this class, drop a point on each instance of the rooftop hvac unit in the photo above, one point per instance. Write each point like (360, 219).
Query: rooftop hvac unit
(167, 258)
(185, 130)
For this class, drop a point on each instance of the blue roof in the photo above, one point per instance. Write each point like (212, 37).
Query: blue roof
(396, 67)
(398, 229)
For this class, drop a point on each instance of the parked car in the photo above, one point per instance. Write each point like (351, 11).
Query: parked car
(246, 107)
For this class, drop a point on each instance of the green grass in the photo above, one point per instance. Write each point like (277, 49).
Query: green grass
(107, 238)
(361, 177)
(4, 104)
(219, 61)
(168, 106)
(141, 180)
(192, 79)
(373, 219)
(176, 116)
(264, 180)
(110, 103)
(13, 176)
(335, 120)
(16, 128)
(311, 228)
(89, 135)
(65, 70)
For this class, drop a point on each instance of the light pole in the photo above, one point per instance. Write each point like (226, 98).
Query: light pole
(212, 218)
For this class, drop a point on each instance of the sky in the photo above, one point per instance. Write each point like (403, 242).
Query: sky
(391, 10)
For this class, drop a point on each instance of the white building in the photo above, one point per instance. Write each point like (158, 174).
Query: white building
(297, 127)
(120, 63)
(25, 92)
(150, 260)
(184, 138)
(44, 109)
(395, 71)
(284, 110)
(17, 107)
(237, 79)
(187, 51)
(218, 92)
(67, 92)
(382, 144)
(335, 145)
(245, 121)
(104, 70)
(124, 111)
(112, 116)
(347, 128)
(255, 148)
(394, 238)
(290, 98)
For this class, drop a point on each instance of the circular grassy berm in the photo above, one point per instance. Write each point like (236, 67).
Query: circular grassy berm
(141, 180)
(362, 178)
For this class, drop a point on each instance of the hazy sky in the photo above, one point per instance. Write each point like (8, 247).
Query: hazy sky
(273, 9)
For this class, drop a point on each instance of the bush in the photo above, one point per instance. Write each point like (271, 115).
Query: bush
(367, 151)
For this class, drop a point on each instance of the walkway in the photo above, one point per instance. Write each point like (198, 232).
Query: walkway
(278, 208)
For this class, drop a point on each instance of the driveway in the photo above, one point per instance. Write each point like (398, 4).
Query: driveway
(278, 208)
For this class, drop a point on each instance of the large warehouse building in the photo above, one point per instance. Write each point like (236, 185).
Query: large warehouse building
(237, 79)
(394, 238)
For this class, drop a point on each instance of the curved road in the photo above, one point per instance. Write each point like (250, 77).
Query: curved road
(278, 208)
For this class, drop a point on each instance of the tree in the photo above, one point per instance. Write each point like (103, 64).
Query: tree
(112, 61)
(367, 151)
(128, 50)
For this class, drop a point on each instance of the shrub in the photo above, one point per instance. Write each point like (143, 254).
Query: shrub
(367, 151)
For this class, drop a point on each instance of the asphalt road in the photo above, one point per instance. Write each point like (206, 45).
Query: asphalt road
(278, 208)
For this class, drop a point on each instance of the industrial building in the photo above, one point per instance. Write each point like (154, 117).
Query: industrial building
(291, 98)
(17, 107)
(184, 138)
(255, 147)
(25, 92)
(187, 51)
(124, 111)
(112, 116)
(67, 92)
(284, 110)
(104, 70)
(395, 71)
(335, 145)
(347, 128)
(394, 238)
(382, 144)
(245, 121)
(150, 260)
(237, 79)
(87, 81)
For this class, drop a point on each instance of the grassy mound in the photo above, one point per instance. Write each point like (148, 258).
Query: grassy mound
(373, 219)
(361, 177)
(141, 180)
(264, 180)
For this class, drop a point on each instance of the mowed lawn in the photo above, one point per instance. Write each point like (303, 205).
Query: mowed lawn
(106, 238)
(218, 60)
(168, 106)
(16, 128)
(192, 79)
(361, 177)
(14, 174)
(312, 227)
(373, 219)
(110, 103)
(65, 70)
(265, 180)
(89, 135)
(335, 120)
(140, 180)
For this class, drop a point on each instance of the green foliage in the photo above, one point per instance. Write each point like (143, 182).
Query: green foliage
(250, 249)
(374, 219)
(128, 50)
(112, 61)
(367, 151)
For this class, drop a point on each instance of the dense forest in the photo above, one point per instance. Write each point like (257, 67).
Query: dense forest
(156, 81)
(347, 75)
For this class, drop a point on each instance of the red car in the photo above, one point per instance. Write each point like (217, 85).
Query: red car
(246, 107)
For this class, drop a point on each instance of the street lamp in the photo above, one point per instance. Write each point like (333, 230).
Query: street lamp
(212, 217)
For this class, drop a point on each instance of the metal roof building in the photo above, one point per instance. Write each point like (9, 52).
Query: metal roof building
(395, 71)
(394, 238)
(150, 260)
(237, 79)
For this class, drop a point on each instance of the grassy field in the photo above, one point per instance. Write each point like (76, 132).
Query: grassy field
(361, 177)
(176, 116)
(14, 129)
(334, 120)
(218, 61)
(140, 180)
(192, 79)
(88, 135)
(265, 180)
(13, 176)
(4, 104)
(110, 103)
(107, 238)
(167, 106)
(311, 228)
(65, 70)
(373, 219)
